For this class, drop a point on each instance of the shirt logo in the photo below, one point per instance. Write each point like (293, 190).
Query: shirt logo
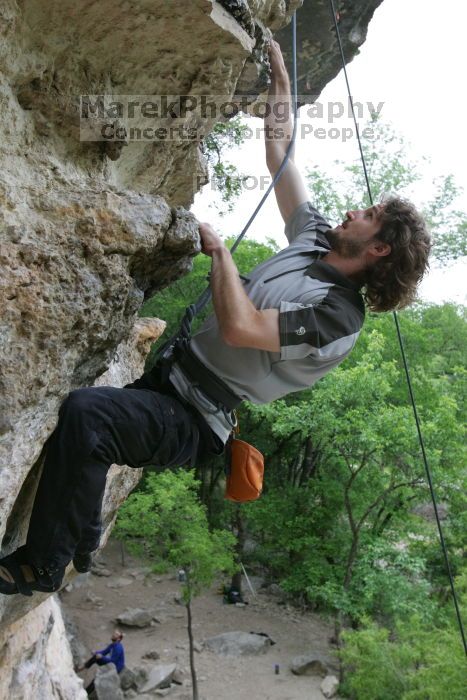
(300, 331)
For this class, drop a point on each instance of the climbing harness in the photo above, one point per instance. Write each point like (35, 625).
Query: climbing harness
(336, 18)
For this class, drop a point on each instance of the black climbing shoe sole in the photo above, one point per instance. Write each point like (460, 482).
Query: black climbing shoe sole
(82, 562)
(45, 581)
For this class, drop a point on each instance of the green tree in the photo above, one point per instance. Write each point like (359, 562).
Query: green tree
(412, 661)
(167, 523)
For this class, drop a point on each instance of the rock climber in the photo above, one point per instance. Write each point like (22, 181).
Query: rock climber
(292, 320)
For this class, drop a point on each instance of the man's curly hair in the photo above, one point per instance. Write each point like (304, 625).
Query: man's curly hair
(392, 282)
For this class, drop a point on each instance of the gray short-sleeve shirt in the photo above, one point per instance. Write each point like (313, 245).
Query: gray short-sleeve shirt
(321, 313)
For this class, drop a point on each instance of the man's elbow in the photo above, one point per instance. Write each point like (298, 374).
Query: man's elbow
(275, 159)
(233, 335)
(273, 162)
(249, 333)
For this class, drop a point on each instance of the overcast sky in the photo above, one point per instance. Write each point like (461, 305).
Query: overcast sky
(411, 62)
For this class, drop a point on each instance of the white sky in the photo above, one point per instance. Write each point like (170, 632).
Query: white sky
(413, 61)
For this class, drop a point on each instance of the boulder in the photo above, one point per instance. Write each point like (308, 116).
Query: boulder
(238, 644)
(120, 582)
(159, 676)
(100, 571)
(140, 572)
(178, 676)
(152, 654)
(107, 683)
(329, 686)
(427, 511)
(141, 675)
(135, 617)
(275, 589)
(81, 581)
(309, 665)
(127, 679)
(94, 599)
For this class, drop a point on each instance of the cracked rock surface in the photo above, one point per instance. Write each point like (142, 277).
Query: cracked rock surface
(317, 49)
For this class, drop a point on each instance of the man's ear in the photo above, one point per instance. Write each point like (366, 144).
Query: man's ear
(379, 248)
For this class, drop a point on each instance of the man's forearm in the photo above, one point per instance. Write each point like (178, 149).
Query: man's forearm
(278, 124)
(233, 308)
(240, 323)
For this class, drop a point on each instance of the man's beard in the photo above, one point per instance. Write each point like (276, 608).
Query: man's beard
(344, 247)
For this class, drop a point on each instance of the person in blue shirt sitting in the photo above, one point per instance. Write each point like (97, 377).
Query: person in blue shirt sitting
(112, 654)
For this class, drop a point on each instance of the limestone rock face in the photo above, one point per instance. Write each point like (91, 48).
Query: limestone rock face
(127, 365)
(72, 286)
(89, 228)
(317, 48)
(36, 661)
(35, 655)
(85, 234)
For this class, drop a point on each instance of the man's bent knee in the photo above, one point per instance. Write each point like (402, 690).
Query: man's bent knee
(80, 400)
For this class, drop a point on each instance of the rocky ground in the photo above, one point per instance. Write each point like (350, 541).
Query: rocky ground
(94, 602)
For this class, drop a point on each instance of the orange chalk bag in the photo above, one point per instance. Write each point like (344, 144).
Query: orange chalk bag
(244, 470)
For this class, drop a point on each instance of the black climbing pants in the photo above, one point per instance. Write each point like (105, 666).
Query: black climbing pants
(97, 427)
(94, 660)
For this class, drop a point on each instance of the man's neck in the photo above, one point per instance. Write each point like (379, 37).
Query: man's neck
(353, 268)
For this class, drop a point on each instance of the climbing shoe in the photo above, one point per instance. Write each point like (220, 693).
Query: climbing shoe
(17, 575)
(82, 561)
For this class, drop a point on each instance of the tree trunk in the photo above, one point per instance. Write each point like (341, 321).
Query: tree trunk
(241, 536)
(194, 681)
(236, 581)
(201, 475)
(351, 560)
